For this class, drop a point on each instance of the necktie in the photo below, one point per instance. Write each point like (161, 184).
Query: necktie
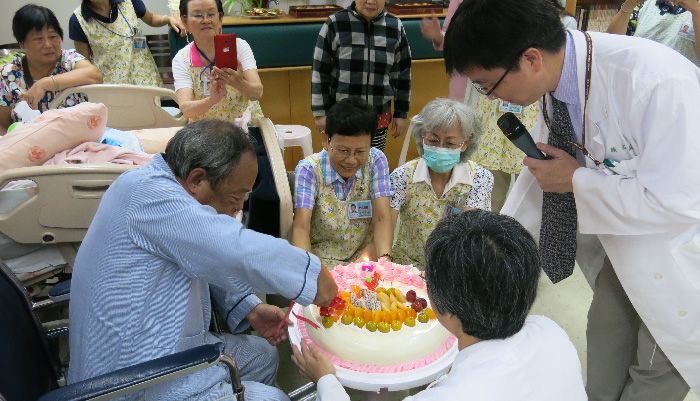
(559, 219)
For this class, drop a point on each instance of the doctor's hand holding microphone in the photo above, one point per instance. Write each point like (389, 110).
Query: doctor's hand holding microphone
(553, 172)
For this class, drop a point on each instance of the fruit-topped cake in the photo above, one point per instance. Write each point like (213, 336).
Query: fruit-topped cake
(381, 320)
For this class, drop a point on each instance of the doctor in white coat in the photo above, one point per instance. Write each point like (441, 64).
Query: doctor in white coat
(633, 108)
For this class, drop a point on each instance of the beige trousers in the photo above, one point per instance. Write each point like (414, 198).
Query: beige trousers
(624, 361)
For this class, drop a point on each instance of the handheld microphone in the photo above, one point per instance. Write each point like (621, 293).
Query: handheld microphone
(516, 132)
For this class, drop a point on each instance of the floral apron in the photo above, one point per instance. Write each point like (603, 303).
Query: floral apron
(495, 151)
(335, 238)
(420, 214)
(113, 49)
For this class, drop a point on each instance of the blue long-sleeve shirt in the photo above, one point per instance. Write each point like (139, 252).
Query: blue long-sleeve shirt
(140, 287)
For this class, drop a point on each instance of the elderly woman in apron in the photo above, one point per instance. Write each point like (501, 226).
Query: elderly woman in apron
(442, 182)
(204, 90)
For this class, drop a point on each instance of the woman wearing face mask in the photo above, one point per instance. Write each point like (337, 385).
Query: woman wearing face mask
(442, 182)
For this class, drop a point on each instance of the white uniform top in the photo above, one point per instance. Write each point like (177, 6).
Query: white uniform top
(646, 218)
(539, 363)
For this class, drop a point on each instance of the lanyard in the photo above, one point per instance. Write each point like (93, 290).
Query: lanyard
(133, 32)
(587, 90)
(211, 62)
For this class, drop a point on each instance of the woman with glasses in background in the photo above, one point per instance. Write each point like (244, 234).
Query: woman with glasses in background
(206, 91)
(442, 182)
(108, 32)
(341, 203)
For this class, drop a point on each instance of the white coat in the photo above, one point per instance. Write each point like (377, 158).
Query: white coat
(538, 363)
(643, 113)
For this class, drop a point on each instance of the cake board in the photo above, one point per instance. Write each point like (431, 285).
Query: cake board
(377, 381)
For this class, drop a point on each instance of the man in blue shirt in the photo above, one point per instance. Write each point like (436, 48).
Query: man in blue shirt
(162, 236)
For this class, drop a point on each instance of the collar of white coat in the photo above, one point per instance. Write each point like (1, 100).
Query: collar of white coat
(461, 174)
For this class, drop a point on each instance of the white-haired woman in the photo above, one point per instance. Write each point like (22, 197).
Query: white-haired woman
(440, 183)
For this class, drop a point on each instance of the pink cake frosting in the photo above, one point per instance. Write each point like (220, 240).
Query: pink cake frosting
(390, 274)
(347, 276)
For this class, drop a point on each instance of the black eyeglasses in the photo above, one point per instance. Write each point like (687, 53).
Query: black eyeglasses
(485, 91)
(201, 17)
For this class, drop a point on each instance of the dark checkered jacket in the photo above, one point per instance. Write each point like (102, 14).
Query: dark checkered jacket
(359, 58)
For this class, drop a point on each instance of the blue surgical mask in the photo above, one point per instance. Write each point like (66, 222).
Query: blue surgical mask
(440, 160)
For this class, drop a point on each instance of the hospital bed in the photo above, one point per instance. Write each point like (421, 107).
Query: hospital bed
(130, 106)
(67, 197)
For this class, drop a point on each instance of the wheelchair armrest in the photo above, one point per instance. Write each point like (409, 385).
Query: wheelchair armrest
(138, 377)
(58, 294)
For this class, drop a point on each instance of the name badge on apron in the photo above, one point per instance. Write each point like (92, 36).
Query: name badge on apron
(452, 211)
(359, 209)
(139, 42)
(205, 86)
(687, 32)
(505, 107)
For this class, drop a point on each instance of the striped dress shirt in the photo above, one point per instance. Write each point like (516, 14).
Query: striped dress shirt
(140, 287)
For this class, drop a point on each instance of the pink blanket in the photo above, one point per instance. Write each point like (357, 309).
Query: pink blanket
(93, 152)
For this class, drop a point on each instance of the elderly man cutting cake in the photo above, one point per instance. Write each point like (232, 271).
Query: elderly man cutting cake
(162, 237)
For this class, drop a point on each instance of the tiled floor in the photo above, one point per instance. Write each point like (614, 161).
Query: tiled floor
(566, 303)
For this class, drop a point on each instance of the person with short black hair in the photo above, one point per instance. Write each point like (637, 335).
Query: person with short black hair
(45, 69)
(619, 192)
(203, 89)
(163, 239)
(496, 153)
(348, 170)
(482, 271)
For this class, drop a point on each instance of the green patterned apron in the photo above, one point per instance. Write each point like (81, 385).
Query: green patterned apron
(335, 238)
(113, 50)
(230, 107)
(420, 214)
